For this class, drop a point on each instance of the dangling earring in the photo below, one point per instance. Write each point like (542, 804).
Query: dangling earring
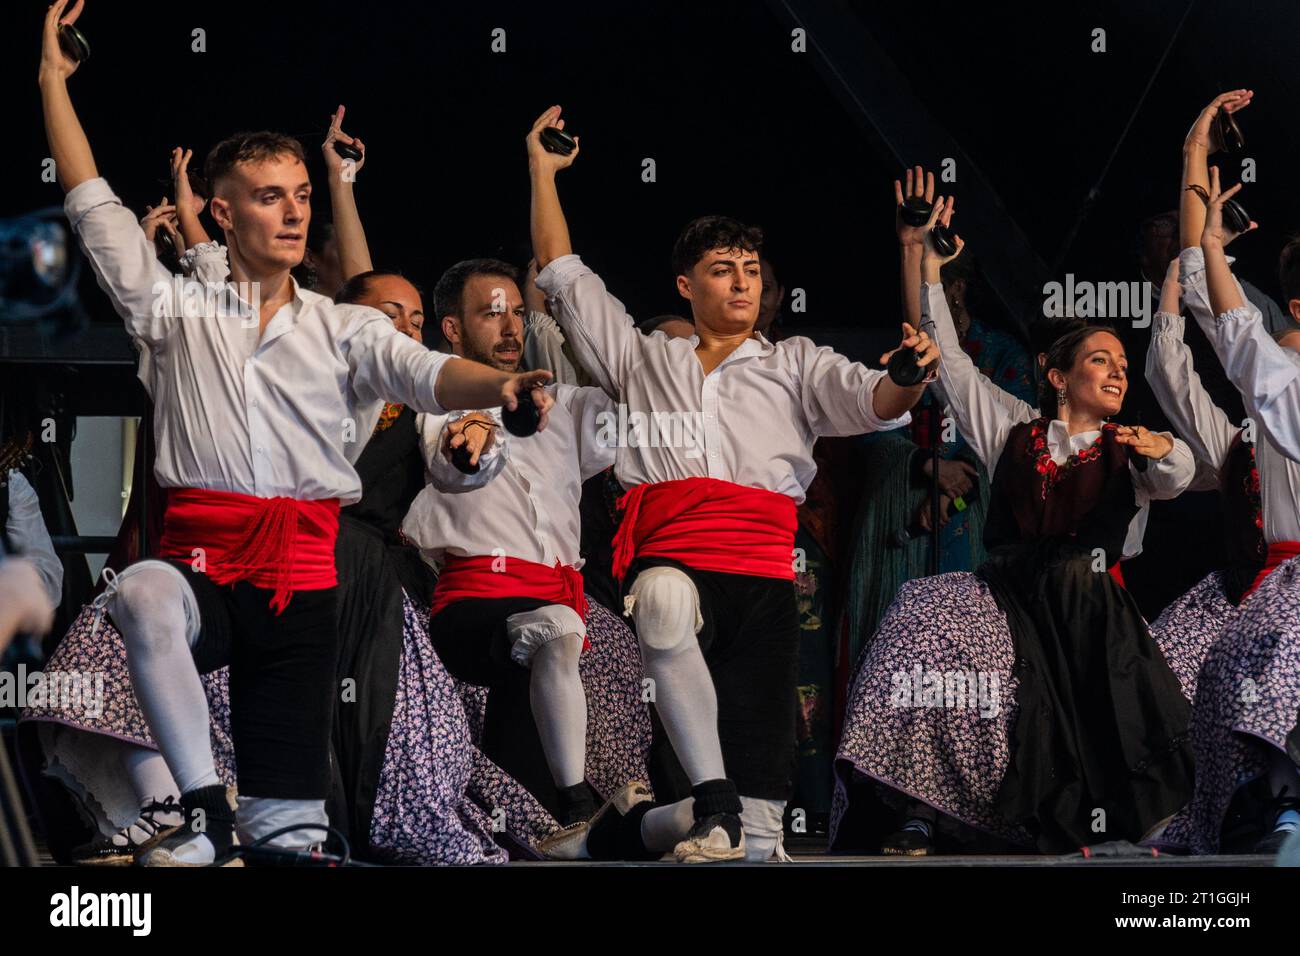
(1060, 397)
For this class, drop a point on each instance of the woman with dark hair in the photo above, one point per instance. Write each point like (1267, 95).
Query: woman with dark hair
(1247, 687)
(1027, 700)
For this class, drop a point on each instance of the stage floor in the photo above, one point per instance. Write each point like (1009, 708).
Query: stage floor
(812, 851)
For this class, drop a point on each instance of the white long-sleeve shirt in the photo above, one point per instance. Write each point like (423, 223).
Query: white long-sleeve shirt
(985, 415)
(1208, 431)
(523, 502)
(751, 421)
(544, 348)
(25, 528)
(280, 414)
(1266, 375)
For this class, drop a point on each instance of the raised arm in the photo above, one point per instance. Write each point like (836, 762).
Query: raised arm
(1177, 388)
(123, 259)
(1266, 375)
(984, 413)
(188, 205)
(596, 326)
(911, 241)
(73, 161)
(354, 251)
(1202, 140)
(550, 232)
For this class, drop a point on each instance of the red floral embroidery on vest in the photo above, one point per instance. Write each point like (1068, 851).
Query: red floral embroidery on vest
(1052, 472)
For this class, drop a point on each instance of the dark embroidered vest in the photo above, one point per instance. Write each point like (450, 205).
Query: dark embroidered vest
(391, 468)
(1089, 499)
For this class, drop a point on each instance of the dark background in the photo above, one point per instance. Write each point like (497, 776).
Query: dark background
(736, 122)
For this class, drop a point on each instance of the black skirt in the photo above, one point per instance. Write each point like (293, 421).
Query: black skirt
(1100, 750)
(373, 575)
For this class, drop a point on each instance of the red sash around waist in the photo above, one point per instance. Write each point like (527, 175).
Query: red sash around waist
(485, 576)
(1278, 552)
(710, 525)
(281, 544)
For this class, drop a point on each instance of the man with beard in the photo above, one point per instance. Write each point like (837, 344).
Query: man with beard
(509, 611)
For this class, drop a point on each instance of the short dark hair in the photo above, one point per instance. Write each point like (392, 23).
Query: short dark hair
(713, 232)
(1288, 270)
(198, 185)
(449, 293)
(358, 286)
(1062, 354)
(248, 148)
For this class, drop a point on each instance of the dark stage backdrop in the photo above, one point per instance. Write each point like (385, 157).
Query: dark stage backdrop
(711, 91)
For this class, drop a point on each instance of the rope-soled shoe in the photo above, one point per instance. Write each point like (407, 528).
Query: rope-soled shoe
(120, 848)
(714, 839)
(208, 831)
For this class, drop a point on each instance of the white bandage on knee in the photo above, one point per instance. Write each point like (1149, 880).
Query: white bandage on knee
(146, 586)
(258, 816)
(529, 630)
(764, 830)
(665, 606)
(158, 616)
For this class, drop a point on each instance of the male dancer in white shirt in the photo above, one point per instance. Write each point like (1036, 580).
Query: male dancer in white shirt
(254, 407)
(508, 612)
(708, 529)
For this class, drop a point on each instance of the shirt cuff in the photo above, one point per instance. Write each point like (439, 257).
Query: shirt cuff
(1242, 314)
(203, 249)
(486, 461)
(1192, 260)
(1168, 323)
(560, 273)
(86, 196)
(874, 422)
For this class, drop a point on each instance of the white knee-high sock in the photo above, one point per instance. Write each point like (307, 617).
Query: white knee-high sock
(560, 708)
(149, 775)
(664, 827)
(149, 610)
(763, 821)
(666, 611)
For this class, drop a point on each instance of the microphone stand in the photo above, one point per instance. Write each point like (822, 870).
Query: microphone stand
(936, 410)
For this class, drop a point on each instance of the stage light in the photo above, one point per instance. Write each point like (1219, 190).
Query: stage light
(38, 277)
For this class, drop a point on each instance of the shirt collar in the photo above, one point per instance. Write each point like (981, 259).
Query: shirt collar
(1059, 437)
(755, 344)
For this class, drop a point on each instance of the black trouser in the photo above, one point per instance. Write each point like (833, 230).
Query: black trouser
(471, 641)
(750, 641)
(282, 681)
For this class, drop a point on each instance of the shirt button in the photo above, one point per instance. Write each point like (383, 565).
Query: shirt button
(261, 450)
(255, 403)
